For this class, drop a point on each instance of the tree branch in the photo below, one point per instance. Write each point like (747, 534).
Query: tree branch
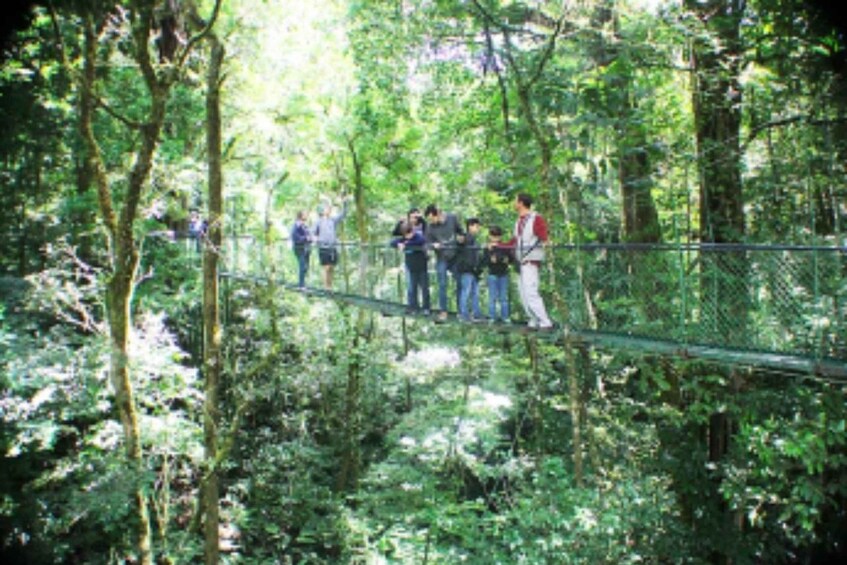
(754, 132)
(114, 113)
(86, 103)
(548, 51)
(141, 20)
(206, 28)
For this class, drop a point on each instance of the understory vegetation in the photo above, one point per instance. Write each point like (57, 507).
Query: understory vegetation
(167, 396)
(463, 448)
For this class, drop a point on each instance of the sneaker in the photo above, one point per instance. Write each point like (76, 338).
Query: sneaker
(546, 328)
(426, 313)
(442, 317)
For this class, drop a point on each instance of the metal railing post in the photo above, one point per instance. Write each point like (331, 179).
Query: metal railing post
(683, 288)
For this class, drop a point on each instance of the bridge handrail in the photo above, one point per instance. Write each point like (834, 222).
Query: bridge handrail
(783, 299)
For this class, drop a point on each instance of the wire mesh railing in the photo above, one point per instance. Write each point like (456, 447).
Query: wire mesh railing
(780, 299)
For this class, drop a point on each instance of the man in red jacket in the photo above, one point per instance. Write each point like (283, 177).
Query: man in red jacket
(529, 238)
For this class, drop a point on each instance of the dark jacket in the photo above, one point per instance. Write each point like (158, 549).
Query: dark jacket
(445, 234)
(467, 256)
(300, 237)
(414, 252)
(498, 259)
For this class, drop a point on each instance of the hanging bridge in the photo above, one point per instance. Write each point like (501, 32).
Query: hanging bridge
(782, 307)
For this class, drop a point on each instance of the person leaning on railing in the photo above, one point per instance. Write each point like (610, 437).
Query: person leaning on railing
(468, 268)
(496, 259)
(413, 218)
(441, 231)
(413, 246)
(528, 241)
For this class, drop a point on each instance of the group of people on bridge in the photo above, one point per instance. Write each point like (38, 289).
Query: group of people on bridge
(458, 255)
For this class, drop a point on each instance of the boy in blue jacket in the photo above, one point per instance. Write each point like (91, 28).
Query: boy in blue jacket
(413, 246)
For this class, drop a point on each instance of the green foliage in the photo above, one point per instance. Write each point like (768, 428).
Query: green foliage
(627, 519)
(786, 472)
(68, 490)
(411, 103)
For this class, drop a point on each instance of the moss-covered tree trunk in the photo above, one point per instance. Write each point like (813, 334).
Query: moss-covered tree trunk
(640, 216)
(211, 310)
(124, 252)
(716, 61)
(119, 217)
(348, 475)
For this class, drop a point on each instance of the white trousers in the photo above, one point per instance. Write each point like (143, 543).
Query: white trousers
(530, 296)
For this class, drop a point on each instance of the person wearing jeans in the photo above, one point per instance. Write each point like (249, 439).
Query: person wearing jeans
(300, 238)
(413, 247)
(498, 294)
(497, 258)
(441, 232)
(467, 268)
(415, 219)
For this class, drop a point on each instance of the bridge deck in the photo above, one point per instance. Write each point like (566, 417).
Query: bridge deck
(786, 363)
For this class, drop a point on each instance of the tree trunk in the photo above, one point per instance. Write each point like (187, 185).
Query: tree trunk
(120, 286)
(716, 57)
(123, 250)
(639, 213)
(717, 117)
(119, 300)
(22, 242)
(348, 475)
(577, 409)
(640, 217)
(120, 225)
(211, 310)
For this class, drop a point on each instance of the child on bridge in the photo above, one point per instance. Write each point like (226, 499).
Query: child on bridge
(497, 258)
(467, 267)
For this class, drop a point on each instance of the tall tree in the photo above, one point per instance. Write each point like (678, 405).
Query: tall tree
(211, 309)
(716, 58)
(119, 200)
(526, 75)
(640, 217)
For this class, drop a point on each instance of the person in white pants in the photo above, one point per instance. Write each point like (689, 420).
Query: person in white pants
(529, 238)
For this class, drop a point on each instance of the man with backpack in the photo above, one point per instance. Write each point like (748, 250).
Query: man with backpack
(528, 241)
